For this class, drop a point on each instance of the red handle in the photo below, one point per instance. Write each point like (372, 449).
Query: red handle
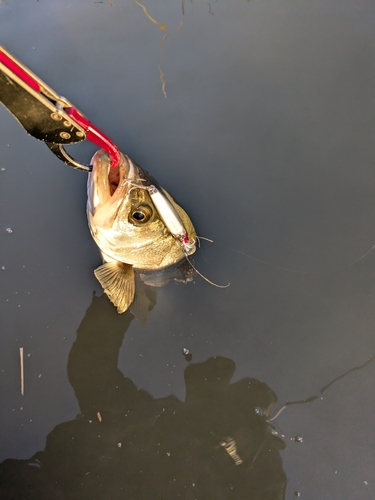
(17, 70)
(94, 135)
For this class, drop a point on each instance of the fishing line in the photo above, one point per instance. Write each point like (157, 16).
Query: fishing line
(313, 398)
(346, 266)
(204, 277)
(203, 238)
(196, 270)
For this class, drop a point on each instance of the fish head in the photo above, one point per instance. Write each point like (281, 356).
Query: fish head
(124, 221)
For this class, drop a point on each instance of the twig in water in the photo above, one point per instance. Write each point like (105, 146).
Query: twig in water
(22, 372)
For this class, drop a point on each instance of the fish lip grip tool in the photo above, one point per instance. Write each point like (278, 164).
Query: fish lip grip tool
(52, 119)
(46, 115)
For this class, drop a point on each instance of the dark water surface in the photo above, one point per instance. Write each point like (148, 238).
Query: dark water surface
(266, 138)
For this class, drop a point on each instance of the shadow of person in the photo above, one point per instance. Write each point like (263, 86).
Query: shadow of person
(127, 445)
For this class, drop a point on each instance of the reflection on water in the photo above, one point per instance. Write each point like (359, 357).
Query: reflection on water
(147, 283)
(162, 27)
(126, 444)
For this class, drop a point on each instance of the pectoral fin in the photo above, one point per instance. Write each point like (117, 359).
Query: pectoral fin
(118, 282)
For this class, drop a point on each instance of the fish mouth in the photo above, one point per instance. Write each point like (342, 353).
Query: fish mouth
(124, 171)
(105, 186)
(129, 172)
(109, 184)
(113, 179)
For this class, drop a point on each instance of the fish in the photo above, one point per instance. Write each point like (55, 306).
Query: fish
(131, 232)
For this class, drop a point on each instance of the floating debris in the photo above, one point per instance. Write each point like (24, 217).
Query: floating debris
(187, 354)
(9, 230)
(229, 444)
(162, 27)
(22, 373)
(36, 463)
(99, 416)
(297, 439)
(259, 411)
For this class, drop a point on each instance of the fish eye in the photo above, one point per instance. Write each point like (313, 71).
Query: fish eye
(140, 215)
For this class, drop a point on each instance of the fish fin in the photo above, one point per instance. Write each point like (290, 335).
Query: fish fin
(118, 282)
(144, 301)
